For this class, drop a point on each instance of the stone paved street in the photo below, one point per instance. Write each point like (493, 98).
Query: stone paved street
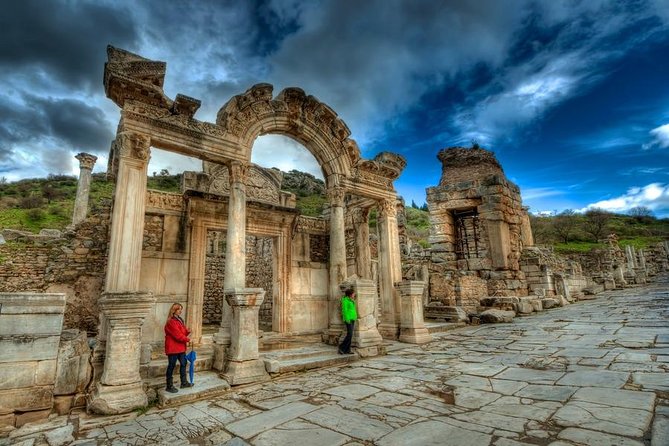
(593, 373)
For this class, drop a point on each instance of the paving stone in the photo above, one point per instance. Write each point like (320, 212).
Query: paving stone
(613, 420)
(301, 432)
(472, 398)
(506, 387)
(253, 425)
(434, 433)
(513, 406)
(592, 438)
(388, 399)
(549, 393)
(352, 391)
(530, 375)
(503, 422)
(469, 381)
(660, 431)
(594, 378)
(617, 398)
(655, 381)
(349, 423)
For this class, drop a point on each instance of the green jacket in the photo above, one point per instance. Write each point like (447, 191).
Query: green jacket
(348, 312)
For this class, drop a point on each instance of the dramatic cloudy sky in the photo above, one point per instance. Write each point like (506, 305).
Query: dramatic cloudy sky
(572, 96)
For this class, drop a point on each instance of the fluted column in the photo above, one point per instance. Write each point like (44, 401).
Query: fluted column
(390, 269)
(337, 253)
(235, 252)
(86, 163)
(127, 221)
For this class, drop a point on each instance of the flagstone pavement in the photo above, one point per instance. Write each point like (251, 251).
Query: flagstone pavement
(592, 373)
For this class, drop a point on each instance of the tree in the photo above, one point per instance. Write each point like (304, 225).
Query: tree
(49, 192)
(564, 224)
(413, 204)
(596, 221)
(640, 212)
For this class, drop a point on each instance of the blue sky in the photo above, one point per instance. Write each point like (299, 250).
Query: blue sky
(572, 96)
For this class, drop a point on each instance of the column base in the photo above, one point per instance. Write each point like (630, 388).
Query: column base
(245, 372)
(415, 335)
(221, 344)
(114, 400)
(389, 331)
(333, 335)
(367, 338)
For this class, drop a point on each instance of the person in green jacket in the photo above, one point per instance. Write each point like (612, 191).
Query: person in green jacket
(349, 316)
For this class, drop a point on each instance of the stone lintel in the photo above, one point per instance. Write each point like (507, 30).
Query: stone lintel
(25, 303)
(114, 400)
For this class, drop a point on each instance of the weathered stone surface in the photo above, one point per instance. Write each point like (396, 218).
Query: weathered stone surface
(495, 316)
(255, 424)
(352, 424)
(301, 431)
(583, 436)
(27, 398)
(73, 367)
(434, 433)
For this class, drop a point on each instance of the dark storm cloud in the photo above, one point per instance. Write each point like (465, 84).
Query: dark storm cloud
(65, 39)
(75, 123)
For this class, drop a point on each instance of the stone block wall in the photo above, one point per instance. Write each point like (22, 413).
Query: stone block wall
(30, 334)
(72, 263)
(259, 274)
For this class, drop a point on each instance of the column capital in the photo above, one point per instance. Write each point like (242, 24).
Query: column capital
(360, 215)
(238, 171)
(336, 196)
(388, 208)
(134, 145)
(86, 160)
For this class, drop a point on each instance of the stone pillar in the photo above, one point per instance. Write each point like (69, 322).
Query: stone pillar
(390, 269)
(499, 239)
(244, 365)
(86, 163)
(120, 388)
(363, 256)
(235, 253)
(619, 276)
(413, 328)
(337, 255)
(631, 260)
(366, 337)
(127, 222)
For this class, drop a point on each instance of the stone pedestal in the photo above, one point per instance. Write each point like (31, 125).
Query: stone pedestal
(243, 361)
(412, 328)
(366, 337)
(120, 388)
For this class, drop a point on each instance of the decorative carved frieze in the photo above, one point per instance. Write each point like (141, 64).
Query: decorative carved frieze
(164, 200)
(310, 225)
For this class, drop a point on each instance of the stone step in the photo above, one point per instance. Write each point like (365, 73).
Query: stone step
(157, 367)
(207, 385)
(296, 362)
(441, 327)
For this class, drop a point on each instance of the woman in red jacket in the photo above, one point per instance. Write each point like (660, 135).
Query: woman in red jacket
(176, 344)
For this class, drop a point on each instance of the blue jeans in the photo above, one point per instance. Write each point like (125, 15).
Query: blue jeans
(171, 363)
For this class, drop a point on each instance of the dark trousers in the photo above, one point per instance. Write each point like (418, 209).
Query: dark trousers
(345, 345)
(171, 363)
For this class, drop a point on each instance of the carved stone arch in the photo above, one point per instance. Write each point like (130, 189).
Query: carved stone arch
(294, 114)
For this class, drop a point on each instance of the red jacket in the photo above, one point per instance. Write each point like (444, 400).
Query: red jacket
(176, 336)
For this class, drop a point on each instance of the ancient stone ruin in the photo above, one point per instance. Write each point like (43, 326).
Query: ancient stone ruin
(82, 312)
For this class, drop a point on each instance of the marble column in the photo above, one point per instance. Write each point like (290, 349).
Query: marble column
(413, 328)
(86, 163)
(363, 259)
(235, 253)
(123, 307)
(366, 337)
(390, 269)
(337, 255)
(120, 389)
(244, 364)
(127, 221)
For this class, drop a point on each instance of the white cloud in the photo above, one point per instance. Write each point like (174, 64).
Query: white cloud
(285, 154)
(654, 196)
(532, 193)
(660, 137)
